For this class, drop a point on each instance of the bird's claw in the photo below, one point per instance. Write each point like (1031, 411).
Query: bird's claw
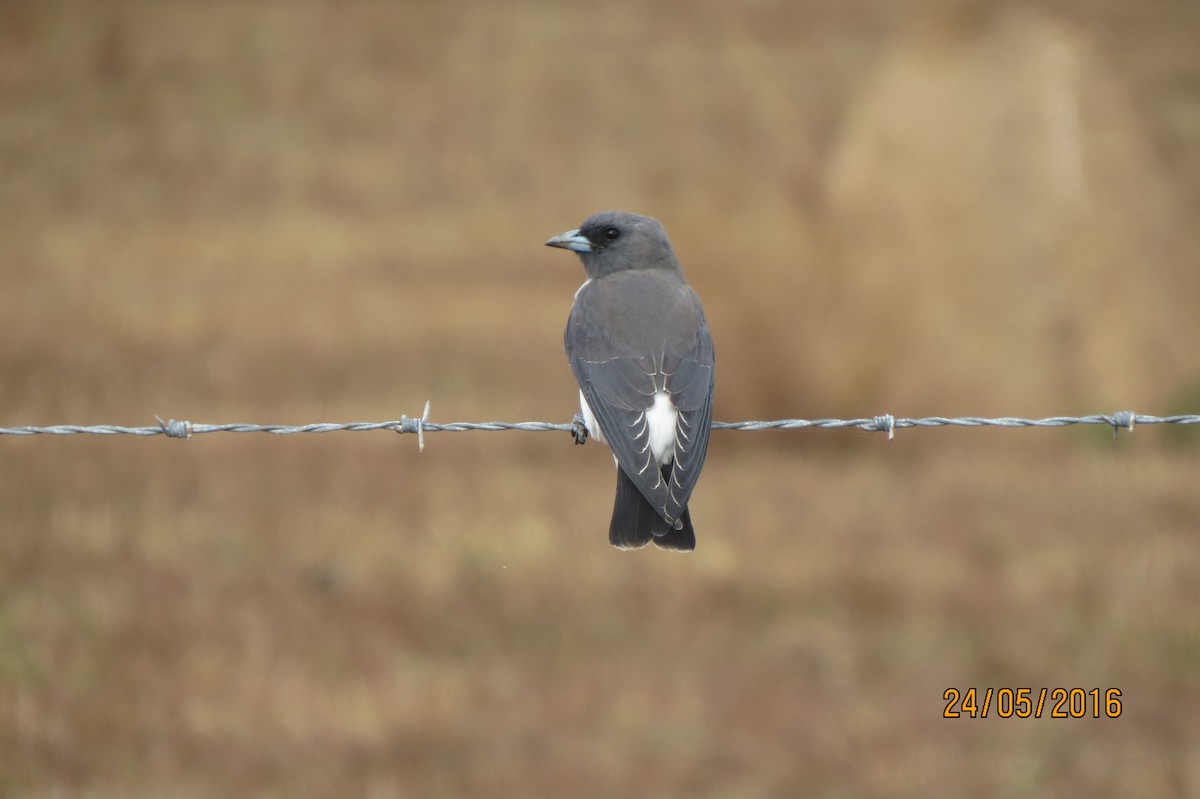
(579, 429)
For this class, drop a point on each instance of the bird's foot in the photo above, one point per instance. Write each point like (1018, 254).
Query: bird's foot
(579, 429)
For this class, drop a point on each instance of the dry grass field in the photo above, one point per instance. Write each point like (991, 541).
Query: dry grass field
(321, 211)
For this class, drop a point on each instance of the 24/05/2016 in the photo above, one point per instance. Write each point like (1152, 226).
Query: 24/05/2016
(1073, 703)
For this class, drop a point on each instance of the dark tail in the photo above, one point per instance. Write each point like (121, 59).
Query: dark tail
(635, 523)
(683, 540)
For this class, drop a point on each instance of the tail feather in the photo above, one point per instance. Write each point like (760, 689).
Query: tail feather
(635, 522)
(683, 540)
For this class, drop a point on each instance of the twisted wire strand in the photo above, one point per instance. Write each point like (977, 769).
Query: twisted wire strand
(421, 425)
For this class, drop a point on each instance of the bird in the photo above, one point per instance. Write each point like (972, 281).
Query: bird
(641, 351)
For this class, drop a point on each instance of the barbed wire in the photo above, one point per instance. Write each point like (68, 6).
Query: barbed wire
(421, 425)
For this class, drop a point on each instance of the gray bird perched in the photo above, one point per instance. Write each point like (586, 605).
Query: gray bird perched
(643, 356)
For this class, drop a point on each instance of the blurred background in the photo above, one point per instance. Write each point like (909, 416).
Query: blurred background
(334, 211)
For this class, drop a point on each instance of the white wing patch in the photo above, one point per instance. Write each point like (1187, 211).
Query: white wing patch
(660, 419)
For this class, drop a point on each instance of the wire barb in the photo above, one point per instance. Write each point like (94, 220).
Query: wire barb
(174, 429)
(1125, 419)
(416, 426)
(886, 422)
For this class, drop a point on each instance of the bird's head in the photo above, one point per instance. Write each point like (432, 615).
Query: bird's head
(615, 241)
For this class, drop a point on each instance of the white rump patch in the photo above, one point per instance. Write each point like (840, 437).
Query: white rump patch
(660, 419)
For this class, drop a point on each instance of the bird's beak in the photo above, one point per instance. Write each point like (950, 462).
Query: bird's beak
(572, 240)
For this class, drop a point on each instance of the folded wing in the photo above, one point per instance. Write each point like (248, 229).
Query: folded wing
(633, 335)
